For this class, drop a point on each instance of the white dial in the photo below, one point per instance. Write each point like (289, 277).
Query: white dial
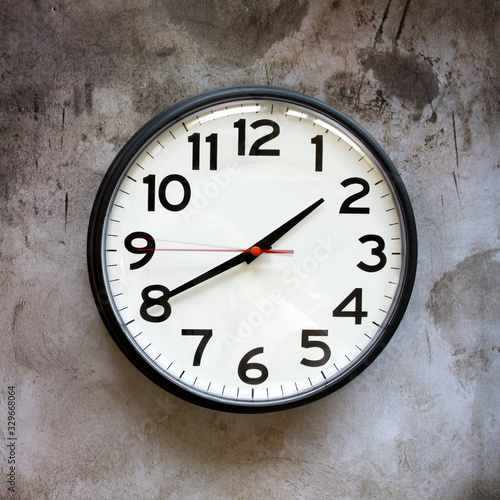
(255, 249)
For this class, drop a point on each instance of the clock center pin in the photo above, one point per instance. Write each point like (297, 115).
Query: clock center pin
(255, 251)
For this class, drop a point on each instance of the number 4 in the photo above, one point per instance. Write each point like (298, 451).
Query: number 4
(358, 314)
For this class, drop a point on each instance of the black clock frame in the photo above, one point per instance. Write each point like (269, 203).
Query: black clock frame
(173, 115)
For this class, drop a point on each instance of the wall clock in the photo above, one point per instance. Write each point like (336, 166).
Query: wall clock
(251, 249)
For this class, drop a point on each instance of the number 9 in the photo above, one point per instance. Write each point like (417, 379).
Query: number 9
(148, 249)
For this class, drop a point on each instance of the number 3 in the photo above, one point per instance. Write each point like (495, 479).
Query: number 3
(377, 251)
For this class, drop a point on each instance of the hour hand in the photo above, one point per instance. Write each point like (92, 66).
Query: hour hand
(269, 240)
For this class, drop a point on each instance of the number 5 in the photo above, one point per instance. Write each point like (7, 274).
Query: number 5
(306, 342)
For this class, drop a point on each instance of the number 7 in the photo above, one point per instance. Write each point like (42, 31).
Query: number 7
(206, 336)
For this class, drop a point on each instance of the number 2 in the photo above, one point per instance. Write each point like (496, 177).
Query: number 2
(365, 189)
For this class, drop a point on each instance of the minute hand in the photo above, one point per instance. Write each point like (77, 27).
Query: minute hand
(247, 255)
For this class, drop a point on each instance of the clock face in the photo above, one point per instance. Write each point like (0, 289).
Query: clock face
(251, 249)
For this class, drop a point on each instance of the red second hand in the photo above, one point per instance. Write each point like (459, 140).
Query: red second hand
(255, 251)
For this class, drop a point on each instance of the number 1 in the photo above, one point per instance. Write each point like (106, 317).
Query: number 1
(318, 141)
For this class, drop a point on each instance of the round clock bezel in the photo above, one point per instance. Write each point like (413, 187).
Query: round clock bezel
(177, 113)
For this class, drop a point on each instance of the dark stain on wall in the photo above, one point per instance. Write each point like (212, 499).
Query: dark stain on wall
(464, 306)
(471, 290)
(352, 93)
(403, 75)
(242, 31)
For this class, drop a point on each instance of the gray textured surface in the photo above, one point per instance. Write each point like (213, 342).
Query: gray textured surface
(78, 78)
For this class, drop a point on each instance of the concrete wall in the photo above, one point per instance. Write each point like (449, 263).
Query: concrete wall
(78, 78)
